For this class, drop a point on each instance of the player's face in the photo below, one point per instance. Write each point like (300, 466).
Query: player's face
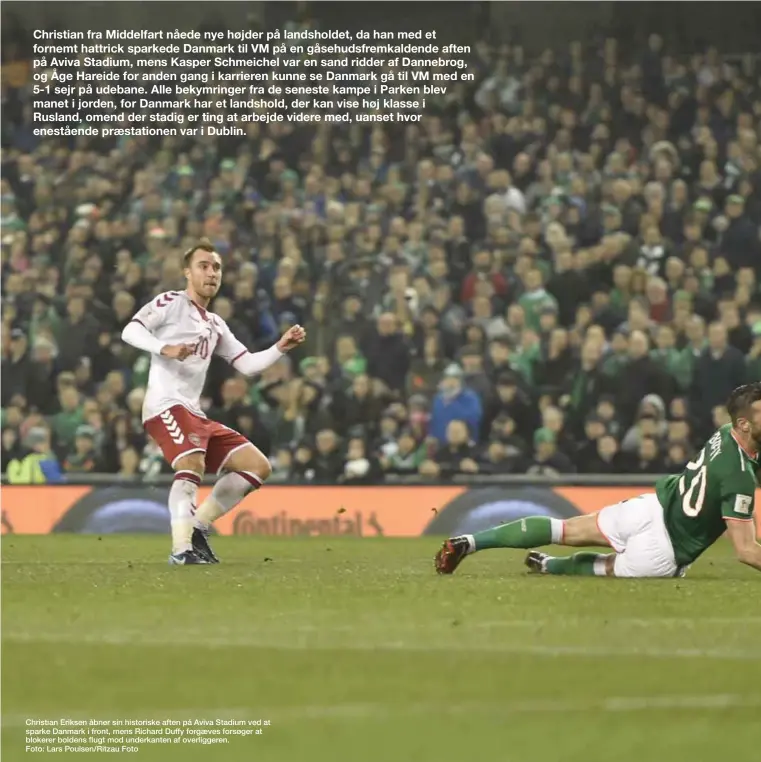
(754, 419)
(205, 274)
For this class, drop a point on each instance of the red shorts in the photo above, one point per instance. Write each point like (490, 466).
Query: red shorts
(178, 432)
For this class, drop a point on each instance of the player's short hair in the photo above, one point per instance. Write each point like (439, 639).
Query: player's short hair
(739, 402)
(204, 244)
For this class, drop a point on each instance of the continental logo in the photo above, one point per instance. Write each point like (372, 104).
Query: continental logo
(357, 524)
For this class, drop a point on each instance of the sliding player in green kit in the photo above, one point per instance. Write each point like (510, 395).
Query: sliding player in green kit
(658, 534)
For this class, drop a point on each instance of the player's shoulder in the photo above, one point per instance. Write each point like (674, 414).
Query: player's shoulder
(729, 461)
(217, 321)
(164, 301)
(723, 448)
(167, 299)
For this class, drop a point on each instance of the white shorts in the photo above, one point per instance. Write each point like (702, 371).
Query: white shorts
(636, 531)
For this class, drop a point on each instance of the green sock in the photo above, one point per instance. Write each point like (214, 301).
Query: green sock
(532, 532)
(578, 565)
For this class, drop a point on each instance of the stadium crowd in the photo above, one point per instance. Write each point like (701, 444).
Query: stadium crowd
(556, 271)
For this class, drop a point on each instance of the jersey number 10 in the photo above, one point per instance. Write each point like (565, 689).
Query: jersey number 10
(202, 348)
(694, 494)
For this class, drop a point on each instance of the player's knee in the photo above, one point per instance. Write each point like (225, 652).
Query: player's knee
(196, 462)
(252, 460)
(264, 469)
(581, 531)
(257, 463)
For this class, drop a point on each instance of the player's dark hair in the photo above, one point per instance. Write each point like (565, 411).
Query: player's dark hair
(203, 245)
(739, 402)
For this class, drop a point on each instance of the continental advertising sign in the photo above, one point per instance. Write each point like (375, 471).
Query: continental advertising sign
(390, 511)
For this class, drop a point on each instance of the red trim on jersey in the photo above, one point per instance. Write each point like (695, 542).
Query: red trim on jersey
(752, 455)
(237, 357)
(201, 310)
(736, 518)
(135, 320)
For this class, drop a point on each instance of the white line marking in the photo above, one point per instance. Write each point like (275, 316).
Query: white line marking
(377, 710)
(303, 642)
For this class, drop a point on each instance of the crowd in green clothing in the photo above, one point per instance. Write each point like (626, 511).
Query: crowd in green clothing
(546, 256)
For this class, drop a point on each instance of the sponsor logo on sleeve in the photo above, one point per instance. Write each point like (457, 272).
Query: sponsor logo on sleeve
(742, 504)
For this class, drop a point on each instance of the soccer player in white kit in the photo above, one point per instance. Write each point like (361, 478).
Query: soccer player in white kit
(181, 336)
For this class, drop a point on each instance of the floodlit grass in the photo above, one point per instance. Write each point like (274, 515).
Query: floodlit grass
(354, 650)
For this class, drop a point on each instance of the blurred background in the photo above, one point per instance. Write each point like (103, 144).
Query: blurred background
(554, 273)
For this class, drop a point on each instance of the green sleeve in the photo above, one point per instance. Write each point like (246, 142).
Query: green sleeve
(738, 497)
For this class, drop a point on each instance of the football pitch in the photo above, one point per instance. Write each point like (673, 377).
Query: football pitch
(354, 650)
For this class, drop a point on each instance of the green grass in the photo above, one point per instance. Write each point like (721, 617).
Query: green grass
(356, 651)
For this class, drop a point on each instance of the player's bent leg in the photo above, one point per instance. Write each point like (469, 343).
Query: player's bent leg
(583, 564)
(634, 528)
(629, 565)
(183, 497)
(246, 469)
(531, 532)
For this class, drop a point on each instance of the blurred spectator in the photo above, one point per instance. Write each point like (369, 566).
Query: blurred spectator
(456, 456)
(718, 370)
(426, 370)
(605, 459)
(16, 367)
(455, 402)
(406, 456)
(83, 457)
(35, 462)
(387, 352)
(647, 458)
(641, 376)
(754, 356)
(359, 467)
(327, 463)
(548, 460)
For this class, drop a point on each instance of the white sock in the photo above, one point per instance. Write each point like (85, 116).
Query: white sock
(556, 531)
(227, 493)
(182, 506)
(471, 543)
(600, 565)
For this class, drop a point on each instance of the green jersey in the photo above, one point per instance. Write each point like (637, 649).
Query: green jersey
(719, 484)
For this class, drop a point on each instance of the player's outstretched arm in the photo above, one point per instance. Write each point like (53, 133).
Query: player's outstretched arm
(251, 363)
(742, 533)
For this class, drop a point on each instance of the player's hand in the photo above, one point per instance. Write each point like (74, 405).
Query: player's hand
(294, 336)
(178, 351)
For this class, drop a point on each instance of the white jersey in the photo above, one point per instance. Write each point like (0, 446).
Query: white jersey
(174, 318)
